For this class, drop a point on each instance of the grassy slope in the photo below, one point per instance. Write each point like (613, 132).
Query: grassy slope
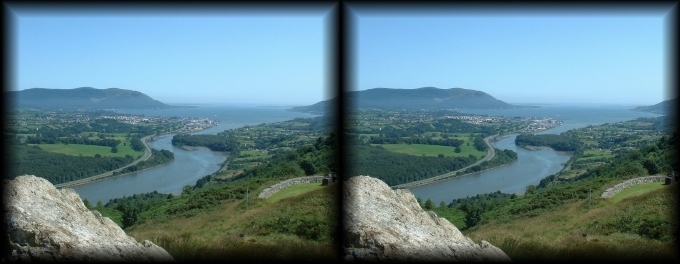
(572, 232)
(228, 231)
(294, 191)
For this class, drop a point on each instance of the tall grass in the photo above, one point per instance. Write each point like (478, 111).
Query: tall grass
(185, 248)
(638, 228)
(521, 249)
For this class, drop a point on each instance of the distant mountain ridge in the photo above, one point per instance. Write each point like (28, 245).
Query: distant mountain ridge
(421, 98)
(664, 108)
(83, 98)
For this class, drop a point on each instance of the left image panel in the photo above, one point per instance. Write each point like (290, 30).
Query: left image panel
(190, 132)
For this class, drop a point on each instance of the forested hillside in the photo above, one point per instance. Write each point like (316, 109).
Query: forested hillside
(58, 168)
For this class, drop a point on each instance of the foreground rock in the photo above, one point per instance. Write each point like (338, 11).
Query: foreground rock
(44, 223)
(389, 225)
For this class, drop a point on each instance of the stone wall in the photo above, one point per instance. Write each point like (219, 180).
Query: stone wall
(287, 183)
(619, 187)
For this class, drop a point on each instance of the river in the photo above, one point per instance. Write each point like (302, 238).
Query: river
(188, 166)
(531, 166)
(185, 169)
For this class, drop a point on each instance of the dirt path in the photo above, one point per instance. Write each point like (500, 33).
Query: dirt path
(491, 152)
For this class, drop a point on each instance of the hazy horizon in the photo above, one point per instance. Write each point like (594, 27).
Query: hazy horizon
(584, 56)
(534, 54)
(205, 53)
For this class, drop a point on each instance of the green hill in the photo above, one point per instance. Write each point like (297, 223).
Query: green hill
(568, 220)
(83, 98)
(664, 108)
(217, 220)
(421, 98)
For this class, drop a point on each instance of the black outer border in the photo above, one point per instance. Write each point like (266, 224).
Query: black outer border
(340, 43)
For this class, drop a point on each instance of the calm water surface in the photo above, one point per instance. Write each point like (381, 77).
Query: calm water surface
(188, 166)
(185, 169)
(531, 166)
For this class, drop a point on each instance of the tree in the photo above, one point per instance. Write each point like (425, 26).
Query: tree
(442, 204)
(473, 213)
(87, 203)
(651, 166)
(187, 189)
(530, 189)
(114, 150)
(429, 204)
(130, 213)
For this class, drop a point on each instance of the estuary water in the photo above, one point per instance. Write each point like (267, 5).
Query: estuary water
(531, 166)
(188, 166)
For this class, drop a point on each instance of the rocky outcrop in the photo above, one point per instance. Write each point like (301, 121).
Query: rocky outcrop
(46, 224)
(389, 225)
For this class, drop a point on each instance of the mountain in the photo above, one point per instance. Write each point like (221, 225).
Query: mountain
(421, 98)
(83, 98)
(663, 108)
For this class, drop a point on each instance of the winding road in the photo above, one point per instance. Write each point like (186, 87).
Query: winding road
(491, 152)
(146, 156)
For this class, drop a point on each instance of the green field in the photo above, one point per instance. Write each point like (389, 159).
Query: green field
(432, 150)
(90, 150)
(294, 190)
(636, 190)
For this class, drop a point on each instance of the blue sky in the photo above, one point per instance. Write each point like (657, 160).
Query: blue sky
(263, 58)
(541, 56)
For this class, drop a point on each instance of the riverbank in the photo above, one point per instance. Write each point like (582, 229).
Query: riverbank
(92, 179)
(110, 174)
(452, 174)
(535, 148)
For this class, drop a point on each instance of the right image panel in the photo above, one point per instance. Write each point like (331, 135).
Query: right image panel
(478, 133)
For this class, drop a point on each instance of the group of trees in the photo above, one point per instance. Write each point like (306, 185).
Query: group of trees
(83, 140)
(659, 158)
(502, 157)
(136, 143)
(561, 142)
(213, 142)
(382, 139)
(131, 206)
(396, 168)
(315, 159)
(58, 168)
(157, 157)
